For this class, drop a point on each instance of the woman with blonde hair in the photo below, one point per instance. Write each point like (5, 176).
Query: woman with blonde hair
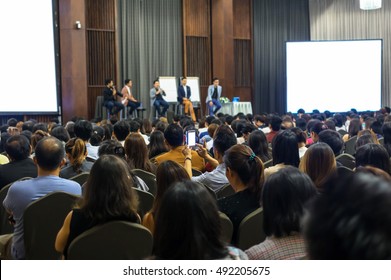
(319, 163)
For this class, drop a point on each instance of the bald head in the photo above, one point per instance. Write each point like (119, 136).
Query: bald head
(49, 153)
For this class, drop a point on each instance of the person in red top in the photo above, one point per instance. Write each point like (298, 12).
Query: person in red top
(275, 127)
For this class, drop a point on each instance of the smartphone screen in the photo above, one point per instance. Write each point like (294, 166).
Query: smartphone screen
(191, 138)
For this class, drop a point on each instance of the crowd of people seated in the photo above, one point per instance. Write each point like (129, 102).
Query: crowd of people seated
(321, 181)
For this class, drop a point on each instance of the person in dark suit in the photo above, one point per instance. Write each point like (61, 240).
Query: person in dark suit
(110, 98)
(21, 165)
(184, 94)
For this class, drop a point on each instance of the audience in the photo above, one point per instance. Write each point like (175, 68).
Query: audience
(284, 196)
(49, 158)
(275, 127)
(76, 152)
(137, 153)
(168, 173)
(354, 128)
(194, 232)
(351, 222)
(18, 150)
(245, 174)
(373, 155)
(320, 164)
(157, 145)
(333, 139)
(174, 138)
(108, 196)
(284, 152)
(223, 139)
(258, 143)
(83, 129)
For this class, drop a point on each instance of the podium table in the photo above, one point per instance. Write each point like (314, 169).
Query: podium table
(233, 108)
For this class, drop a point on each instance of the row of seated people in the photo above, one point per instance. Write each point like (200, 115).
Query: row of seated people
(248, 185)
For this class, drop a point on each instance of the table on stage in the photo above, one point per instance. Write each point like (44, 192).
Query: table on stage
(233, 108)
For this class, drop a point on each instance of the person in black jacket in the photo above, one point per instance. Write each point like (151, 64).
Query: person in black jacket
(110, 98)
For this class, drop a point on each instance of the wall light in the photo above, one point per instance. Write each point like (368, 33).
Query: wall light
(370, 4)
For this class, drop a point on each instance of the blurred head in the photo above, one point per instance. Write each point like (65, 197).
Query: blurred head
(194, 231)
(285, 148)
(283, 198)
(156, 144)
(83, 130)
(111, 147)
(258, 143)
(174, 135)
(319, 163)
(17, 148)
(244, 166)
(121, 130)
(109, 191)
(373, 155)
(223, 139)
(60, 133)
(333, 139)
(136, 151)
(352, 221)
(354, 127)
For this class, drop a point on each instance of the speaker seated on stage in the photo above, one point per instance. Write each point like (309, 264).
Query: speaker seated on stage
(127, 97)
(213, 97)
(157, 100)
(184, 94)
(110, 98)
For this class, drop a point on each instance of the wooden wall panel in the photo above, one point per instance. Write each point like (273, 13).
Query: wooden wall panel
(101, 48)
(196, 17)
(242, 57)
(242, 19)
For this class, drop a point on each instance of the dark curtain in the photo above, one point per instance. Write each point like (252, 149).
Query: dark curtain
(274, 23)
(150, 42)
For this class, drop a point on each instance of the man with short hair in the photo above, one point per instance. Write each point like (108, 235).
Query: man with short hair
(18, 150)
(157, 100)
(83, 129)
(184, 94)
(121, 131)
(49, 158)
(275, 127)
(174, 138)
(110, 98)
(213, 96)
(127, 97)
(223, 139)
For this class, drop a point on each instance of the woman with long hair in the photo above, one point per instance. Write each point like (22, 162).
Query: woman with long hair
(156, 144)
(244, 171)
(319, 163)
(258, 143)
(167, 173)
(283, 198)
(108, 196)
(137, 153)
(188, 226)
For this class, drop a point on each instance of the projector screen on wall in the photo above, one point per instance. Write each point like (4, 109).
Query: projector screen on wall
(27, 58)
(334, 75)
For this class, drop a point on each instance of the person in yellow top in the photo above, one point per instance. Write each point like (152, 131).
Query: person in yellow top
(174, 139)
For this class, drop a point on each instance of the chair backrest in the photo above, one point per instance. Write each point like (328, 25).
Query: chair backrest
(227, 228)
(350, 145)
(268, 163)
(43, 218)
(80, 178)
(342, 132)
(116, 240)
(225, 191)
(212, 193)
(145, 201)
(346, 160)
(250, 230)
(148, 178)
(196, 172)
(5, 226)
(381, 140)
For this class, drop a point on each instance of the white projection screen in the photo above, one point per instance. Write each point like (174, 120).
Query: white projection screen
(27, 58)
(334, 75)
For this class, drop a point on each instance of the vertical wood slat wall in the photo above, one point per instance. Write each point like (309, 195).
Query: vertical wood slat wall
(198, 51)
(196, 42)
(101, 48)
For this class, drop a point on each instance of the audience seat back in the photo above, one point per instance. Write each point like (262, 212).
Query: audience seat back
(250, 231)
